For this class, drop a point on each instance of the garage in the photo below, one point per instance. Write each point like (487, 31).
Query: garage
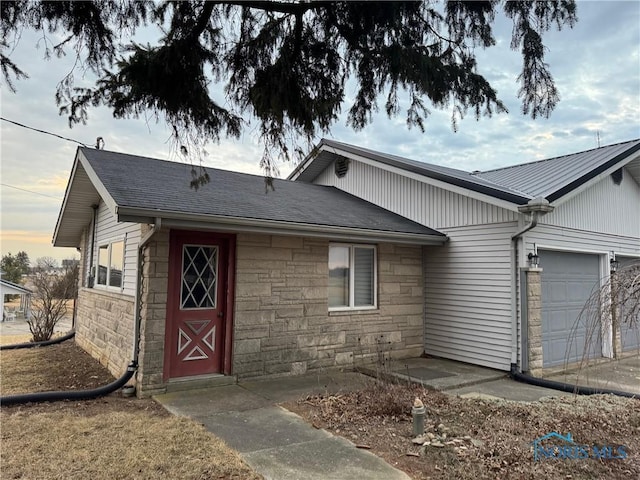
(568, 280)
(629, 335)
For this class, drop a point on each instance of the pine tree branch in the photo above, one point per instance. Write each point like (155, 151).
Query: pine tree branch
(280, 7)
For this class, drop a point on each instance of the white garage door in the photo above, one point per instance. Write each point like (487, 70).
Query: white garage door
(629, 332)
(568, 280)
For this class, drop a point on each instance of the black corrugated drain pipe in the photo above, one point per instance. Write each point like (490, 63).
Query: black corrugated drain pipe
(566, 387)
(53, 341)
(113, 386)
(70, 394)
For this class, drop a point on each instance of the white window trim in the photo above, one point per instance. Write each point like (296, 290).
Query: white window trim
(351, 306)
(109, 245)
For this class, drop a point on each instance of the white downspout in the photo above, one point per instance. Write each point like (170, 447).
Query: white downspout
(537, 208)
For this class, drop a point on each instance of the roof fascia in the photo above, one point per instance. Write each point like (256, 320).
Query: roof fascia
(580, 185)
(425, 179)
(302, 166)
(65, 200)
(19, 290)
(274, 227)
(97, 183)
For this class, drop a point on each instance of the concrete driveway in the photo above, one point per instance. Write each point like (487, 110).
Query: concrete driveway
(622, 374)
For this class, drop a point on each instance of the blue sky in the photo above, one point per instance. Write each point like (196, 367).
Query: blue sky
(596, 66)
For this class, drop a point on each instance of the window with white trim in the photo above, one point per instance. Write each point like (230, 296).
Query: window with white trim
(110, 264)
(352, 276)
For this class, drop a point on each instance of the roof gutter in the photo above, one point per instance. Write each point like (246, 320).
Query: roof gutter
(274, 227)
(536, 208)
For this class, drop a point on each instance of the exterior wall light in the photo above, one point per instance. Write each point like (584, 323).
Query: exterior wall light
(533, 259)
(613, 263)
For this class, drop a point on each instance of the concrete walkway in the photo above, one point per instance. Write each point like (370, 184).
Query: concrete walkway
(276, 443)
(280, 445)
(466, 380)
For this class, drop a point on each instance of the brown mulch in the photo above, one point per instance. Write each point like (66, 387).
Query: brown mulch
(472, 439)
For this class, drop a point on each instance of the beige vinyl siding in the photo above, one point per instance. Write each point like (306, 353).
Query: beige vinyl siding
(110, 230)
(604, 207)
(423, 203)
(468, 296)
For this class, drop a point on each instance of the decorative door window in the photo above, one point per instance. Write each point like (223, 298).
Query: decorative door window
(199, 277)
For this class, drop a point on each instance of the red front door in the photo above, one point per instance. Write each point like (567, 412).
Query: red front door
(196, 304)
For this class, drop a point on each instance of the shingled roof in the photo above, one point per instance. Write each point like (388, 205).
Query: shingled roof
(142, 189)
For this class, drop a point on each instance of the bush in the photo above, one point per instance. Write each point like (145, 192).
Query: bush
(52, 290)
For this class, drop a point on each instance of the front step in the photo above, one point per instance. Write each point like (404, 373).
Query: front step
(200, 382)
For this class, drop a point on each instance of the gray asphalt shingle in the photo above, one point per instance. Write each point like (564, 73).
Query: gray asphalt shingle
(162, 186)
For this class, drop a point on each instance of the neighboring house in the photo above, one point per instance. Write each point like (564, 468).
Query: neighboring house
(10, 288)
(586, 211)
(359, 256)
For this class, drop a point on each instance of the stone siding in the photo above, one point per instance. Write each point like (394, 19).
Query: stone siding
(155, 273)
(534, 320)
(282, 322)
(104, 327)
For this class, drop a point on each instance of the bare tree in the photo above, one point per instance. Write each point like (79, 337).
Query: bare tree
(615, 302)
(46, 263)
(625, 299)
(52, 290)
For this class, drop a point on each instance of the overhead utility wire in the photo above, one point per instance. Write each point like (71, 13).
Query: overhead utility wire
(29, 191)
(43, 131)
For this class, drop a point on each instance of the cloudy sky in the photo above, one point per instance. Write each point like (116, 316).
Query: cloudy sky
(596, 66)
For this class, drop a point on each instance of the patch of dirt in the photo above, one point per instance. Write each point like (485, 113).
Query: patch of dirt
(107, 438)
(57, 367)
(471, 439)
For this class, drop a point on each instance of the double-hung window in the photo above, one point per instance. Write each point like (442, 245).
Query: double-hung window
(352, 276)
(110, 264)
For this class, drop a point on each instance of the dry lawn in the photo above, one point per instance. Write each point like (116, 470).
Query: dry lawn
(477, 439)
(23, 338)
(11, 339)
(108, 438)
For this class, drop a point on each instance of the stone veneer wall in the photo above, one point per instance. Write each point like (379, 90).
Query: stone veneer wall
(155, 272)
(534, 320)
(282, 322)
(104, 327)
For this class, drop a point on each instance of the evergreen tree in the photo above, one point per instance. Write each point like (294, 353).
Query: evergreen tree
(286, 63)
(14, 266)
